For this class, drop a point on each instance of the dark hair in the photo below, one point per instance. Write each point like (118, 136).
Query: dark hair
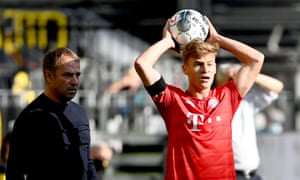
(50, 59)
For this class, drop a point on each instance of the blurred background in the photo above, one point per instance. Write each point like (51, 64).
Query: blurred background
(110, 34)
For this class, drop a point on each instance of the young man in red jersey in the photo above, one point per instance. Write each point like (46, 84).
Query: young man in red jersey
(198, 119)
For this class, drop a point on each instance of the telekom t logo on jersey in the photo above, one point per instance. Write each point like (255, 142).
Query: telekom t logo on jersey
(197, 120)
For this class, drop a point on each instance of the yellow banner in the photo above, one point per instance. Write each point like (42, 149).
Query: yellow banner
(31, 28)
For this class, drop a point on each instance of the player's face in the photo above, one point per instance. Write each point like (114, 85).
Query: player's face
(201, 71)
(65, 80)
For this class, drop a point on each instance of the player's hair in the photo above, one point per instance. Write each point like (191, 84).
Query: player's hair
(50, 59)
(197, 49)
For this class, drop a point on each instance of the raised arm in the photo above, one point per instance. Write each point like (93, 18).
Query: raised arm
(145, 62)
(252, 60)
(228, 71)
(269, 83)
(130, 81)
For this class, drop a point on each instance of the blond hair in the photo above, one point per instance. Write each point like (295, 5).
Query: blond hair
(198, 48)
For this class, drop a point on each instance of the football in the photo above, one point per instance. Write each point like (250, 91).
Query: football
(186, 25)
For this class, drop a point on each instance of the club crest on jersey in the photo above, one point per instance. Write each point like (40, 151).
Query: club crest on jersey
(213, 102)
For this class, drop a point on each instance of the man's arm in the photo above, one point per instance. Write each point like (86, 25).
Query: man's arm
(130, 81)
(92, 173)
(265, 81)
(145, 62)
(269, 83)
(252, 60)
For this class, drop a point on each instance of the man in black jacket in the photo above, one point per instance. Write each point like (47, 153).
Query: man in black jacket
(51, 137)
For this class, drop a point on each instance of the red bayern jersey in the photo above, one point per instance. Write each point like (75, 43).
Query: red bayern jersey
(199, 133)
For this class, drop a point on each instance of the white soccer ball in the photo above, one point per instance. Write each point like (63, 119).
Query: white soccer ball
(188, 24)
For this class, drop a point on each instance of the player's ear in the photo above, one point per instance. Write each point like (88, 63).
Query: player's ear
(48, 75)
(184, 68)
